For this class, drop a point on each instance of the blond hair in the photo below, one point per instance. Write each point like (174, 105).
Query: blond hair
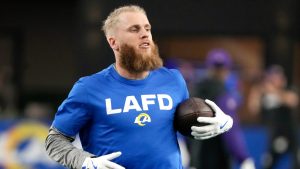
(113, 18)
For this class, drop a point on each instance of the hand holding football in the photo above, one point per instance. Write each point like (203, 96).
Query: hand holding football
(188, 111)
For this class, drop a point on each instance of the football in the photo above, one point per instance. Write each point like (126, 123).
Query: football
(188, 111)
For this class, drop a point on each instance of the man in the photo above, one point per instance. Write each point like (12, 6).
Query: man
(127, 108)
(277, 102)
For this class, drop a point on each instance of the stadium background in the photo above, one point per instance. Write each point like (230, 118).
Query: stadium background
(45, 46)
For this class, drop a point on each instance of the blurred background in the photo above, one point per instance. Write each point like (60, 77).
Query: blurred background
(46, 46)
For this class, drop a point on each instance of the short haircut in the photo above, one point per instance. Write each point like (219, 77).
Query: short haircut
(113, 18)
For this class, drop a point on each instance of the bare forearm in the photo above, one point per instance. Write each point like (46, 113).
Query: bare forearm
(61, 150)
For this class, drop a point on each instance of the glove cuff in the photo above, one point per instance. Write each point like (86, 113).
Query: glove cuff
(86, 163)
(227, 124)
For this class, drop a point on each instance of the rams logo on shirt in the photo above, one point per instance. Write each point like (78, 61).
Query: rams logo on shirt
(142, 119)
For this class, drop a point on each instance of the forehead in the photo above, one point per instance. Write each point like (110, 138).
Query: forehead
(128, 19)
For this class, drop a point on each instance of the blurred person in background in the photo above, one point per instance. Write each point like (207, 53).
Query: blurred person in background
(221, 86)
(277, 104)
(188, 71)
(38, 111)
(128, 108)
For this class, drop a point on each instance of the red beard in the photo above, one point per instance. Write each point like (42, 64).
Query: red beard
(135, 62)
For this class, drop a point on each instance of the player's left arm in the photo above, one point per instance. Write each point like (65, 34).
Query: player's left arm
(218, 124)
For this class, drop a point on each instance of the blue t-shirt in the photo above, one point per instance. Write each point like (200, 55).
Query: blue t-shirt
(112, 113)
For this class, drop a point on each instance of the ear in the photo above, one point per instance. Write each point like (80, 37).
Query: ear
(113, 43)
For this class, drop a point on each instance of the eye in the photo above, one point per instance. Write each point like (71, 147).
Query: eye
(148, 28)
(133, 30)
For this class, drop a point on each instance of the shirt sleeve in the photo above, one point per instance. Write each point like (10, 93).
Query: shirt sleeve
(182, 84)
(60, 149)
(73, 113)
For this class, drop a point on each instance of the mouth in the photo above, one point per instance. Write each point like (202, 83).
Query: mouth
(145, 45)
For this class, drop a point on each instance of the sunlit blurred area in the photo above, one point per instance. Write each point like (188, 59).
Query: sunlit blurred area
(46, 46)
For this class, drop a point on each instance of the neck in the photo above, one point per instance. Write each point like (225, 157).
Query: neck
(133, 76)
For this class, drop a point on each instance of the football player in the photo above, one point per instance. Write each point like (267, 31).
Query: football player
(124, 113)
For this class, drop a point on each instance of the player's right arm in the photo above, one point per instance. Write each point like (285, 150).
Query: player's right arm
(71, 116)
(60, 149)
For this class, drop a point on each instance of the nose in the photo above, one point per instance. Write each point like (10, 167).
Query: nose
(145, 34)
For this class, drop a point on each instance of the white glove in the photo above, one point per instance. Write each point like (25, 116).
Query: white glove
(102, 162)
(247, 164)
(218, 124)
